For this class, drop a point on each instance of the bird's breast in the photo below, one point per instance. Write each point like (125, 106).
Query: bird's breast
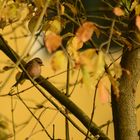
(35, 71)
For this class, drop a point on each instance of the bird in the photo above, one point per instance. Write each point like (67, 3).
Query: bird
(33, 68)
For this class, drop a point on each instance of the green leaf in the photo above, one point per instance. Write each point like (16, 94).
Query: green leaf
(137, 9)
(32, 23)
(86, 77)
(126, 4)
(99, 68)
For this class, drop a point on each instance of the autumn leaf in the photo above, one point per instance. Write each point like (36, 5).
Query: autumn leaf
(114, 83)
(137, 9)
(86, 77)
(6, 68)
(11, 12)
(84, 33)
(52, 41)
(138, 22)
(127, 72)
(98, 68)
(118, 11)
(103, 91)
(18, 75)
(32, 23)
(58, 60)
(72, 8)
(73, 45)
(133, 5)
(39, 3)
(117, 70)
(62, 9)
(86, 58)
(125, 41)
(99, 64)
(55, 26)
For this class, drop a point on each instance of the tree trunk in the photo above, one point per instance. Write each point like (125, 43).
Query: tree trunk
(124, 109)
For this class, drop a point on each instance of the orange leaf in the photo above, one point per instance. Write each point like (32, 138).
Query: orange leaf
(84, 33)
(138, 22)
(103, 92)
(118, 11)
(52, 41)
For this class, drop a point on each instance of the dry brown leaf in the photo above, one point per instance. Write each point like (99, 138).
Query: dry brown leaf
(126, 42)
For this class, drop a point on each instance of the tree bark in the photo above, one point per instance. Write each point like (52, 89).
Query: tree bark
(124, 109)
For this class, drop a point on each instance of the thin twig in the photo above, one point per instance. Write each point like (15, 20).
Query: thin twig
(13, 120)
(67, 94)
(36, 123)
(74, 85)
(35, 117)
(110, 36)
(93, 106)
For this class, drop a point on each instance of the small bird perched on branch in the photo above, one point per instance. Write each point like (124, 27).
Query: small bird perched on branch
(33, 68)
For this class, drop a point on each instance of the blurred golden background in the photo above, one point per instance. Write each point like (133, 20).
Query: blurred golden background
(26, 125)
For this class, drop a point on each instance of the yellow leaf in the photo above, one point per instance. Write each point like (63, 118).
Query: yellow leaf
(137, 9)
(99, 68)
(11, 12)
(133, 5)
(39, 3)
(58, 61)
(74, 44)
(86, 57)
(62, 9)
(117, 70)
(55, 26)
(72, 47)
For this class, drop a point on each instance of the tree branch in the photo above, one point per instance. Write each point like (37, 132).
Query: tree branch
(58, 95)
